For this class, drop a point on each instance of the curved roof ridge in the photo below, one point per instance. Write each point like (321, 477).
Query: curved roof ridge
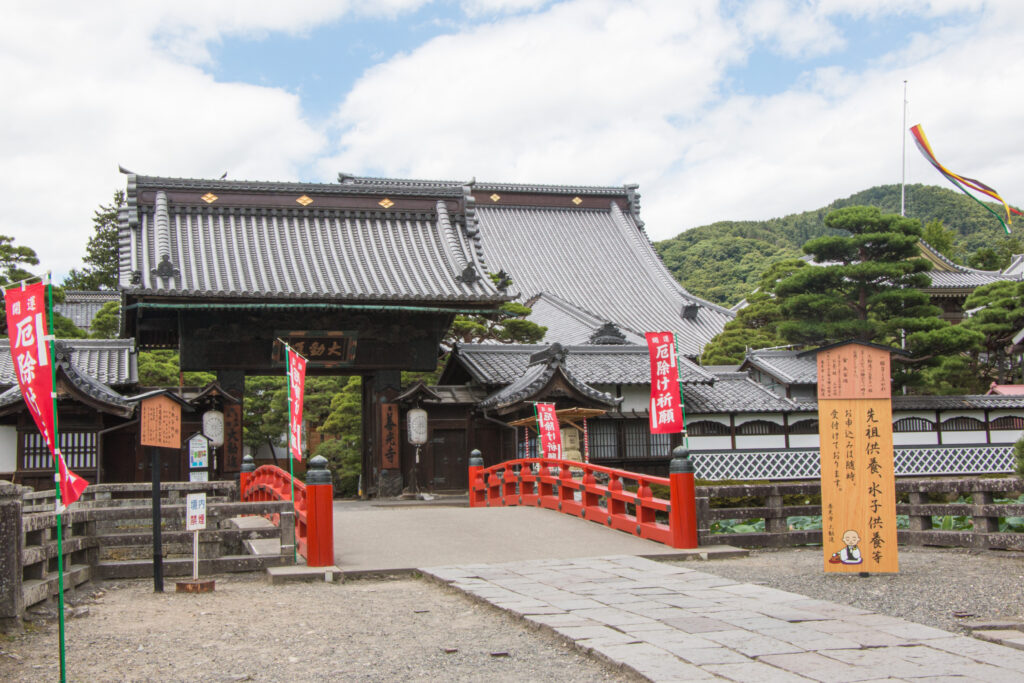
(386, 185)
(932, 251)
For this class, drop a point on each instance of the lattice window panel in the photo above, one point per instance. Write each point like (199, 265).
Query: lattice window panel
(804, 427)
(982, 459)
(913, 424)
(760, 428)
(1008, 422)
(709, 428)
(806, 464)
(79, 449)
(604, 440)
(963, 424)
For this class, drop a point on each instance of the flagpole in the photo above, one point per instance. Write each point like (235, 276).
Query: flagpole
(288, 440)
(56, 475)
(903, 180)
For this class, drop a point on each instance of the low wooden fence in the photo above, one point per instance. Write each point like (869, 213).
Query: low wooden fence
(920, 500)
(108, 534)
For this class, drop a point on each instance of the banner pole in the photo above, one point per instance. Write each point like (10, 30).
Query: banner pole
(288, 440)
(682, 403)
(56, 477)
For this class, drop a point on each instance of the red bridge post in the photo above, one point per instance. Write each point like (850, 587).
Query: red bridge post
(683, 516)
(477, 492)
(319, 514)
(248, 467)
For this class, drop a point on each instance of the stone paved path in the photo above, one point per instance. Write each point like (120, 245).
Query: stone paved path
(671, 623)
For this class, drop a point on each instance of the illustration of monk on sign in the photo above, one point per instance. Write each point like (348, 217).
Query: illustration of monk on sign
(850, 553)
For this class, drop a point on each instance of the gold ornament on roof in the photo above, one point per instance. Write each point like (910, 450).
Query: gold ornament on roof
(577, 201)
(495, 197)
(304, 200)
(386, 203)
(209, 198)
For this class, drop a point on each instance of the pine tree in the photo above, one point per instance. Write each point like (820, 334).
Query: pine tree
(101, 265)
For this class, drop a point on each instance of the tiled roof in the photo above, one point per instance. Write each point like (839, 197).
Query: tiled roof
(786, 365)
(599, 260)
(965, 402)
(736, 392)
(493, 364)
(95, 390)
(947, 275)
(82, 306)
(543, 367)
(569, 324)
(108, 361)
(322, 242)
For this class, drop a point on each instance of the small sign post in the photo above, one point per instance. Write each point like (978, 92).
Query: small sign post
(160, 428)
(195, 521)
(198, 457)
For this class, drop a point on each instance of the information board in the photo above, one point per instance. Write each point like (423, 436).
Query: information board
(161, 422)
(858, 489)
(389, 436)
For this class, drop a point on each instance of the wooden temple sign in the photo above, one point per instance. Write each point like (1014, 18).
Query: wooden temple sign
(321, 349)
(854, 371)
(389, 443)
(858, 484)
(161, 422)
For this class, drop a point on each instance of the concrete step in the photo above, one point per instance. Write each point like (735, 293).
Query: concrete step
(136, 569)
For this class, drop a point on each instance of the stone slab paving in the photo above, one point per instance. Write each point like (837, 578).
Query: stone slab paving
(673, 623)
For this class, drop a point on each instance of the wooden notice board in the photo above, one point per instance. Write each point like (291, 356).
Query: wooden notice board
(858, 486)
(389, 436)
(161, 422)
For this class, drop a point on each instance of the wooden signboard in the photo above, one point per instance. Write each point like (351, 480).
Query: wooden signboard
(389, 436)
(858, 489)
(161, 422)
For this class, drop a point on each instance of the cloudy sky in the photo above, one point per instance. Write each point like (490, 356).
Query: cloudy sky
(725, 109)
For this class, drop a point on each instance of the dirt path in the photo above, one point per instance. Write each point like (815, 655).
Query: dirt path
(381, 630)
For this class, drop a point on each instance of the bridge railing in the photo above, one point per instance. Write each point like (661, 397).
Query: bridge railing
(314, 514)
(619, 499)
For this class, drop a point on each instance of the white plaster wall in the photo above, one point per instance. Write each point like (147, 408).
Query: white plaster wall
(803, 440)
(761, 441)
(915, 438)
(710, 443)
(950, 438)
(8, 448)
(1006, 435)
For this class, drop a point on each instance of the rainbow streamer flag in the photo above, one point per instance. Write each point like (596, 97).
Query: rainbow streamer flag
(963, 182)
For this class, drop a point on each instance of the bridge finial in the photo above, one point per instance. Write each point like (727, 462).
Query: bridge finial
(248, 464)
(476, 458)
(317, 472)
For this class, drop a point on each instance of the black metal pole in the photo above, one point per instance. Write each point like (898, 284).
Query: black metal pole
(158, 550)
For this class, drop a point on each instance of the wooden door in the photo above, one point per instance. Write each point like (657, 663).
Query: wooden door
(449, 460)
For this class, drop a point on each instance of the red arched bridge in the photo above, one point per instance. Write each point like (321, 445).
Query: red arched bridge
(660, 509)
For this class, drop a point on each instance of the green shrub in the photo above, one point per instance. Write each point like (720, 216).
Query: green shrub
(344, 463)
(1018, 453)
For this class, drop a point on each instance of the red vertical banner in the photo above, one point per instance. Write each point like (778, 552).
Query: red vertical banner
(666, 411)
(296, 390)
(550, 435)
(30, 355)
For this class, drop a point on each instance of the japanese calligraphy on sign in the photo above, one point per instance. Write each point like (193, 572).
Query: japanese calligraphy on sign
(161, 422)
(30, 355)
(666, 409)
(547, 427)
(296, 395)
(389, 436)
(325, 349)
(195, 511)
(858, 490)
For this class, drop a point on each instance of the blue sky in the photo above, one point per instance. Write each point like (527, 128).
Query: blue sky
(719, 109)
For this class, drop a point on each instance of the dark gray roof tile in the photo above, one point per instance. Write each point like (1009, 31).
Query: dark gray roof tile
(787, 365)
(108, 361)
(493, 364)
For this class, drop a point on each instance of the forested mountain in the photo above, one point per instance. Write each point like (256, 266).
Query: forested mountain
(722, 262)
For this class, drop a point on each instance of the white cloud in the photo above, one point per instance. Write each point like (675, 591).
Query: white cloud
(604, 92)
(581, 91)
(85, 86)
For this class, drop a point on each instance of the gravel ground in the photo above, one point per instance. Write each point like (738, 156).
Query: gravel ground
(939, 587)
(366, 630)
(409, 629)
